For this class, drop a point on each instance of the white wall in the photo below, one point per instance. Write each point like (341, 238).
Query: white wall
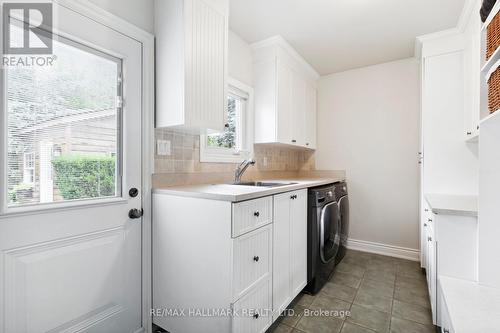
(368, 124)
(139, 13)
(240, 63)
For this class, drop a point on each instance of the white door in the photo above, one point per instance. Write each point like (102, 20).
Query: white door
(70, 256)
(281, 252)
(298, 249)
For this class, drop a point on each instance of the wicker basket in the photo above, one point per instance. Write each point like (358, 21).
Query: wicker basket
(494, 91)
(493, 36)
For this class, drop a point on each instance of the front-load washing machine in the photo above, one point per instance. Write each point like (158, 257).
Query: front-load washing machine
(323, 236)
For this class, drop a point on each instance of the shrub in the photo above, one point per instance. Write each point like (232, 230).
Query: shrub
(20, 192)
(81, 177)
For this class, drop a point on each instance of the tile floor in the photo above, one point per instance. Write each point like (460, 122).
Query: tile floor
(382, 294)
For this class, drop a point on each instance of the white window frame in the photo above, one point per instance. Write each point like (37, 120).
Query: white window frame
(29, 158)
(229, 155)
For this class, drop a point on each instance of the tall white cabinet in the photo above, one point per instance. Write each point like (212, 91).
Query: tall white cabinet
(191, 63)
(448, 164)
(285, 95)
(449, 156)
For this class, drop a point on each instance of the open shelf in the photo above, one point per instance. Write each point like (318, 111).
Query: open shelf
(494, 117)
(492, 14)
(493, 61)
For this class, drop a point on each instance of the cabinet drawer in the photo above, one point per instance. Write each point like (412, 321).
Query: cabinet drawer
(253, 313)
(251, 214)
(251, 260)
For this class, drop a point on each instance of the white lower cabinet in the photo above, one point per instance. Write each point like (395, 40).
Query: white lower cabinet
(290, 248)
(431, 266)
(236, 257)
(449, 248)
(298, 244)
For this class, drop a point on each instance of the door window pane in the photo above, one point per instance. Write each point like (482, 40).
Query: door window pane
(63, 127)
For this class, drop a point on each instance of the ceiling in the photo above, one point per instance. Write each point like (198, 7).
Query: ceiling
(337, 35)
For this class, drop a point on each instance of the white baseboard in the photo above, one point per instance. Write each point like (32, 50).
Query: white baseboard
(383, 249)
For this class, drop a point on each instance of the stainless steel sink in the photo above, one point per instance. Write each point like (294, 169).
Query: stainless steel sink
(262, 184)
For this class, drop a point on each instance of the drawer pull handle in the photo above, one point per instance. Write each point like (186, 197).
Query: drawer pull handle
(293, 197)
(256, 258)
(425, 224)
(256, 214)
(429, 239)
(429, 220)
(256, 315)
(446, 330)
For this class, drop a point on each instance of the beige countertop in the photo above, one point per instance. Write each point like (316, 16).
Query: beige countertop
(235, 193)
(447, 204)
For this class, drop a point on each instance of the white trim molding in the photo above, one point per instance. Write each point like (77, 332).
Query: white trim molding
(383, 249)
(279, 40)
(441, 42)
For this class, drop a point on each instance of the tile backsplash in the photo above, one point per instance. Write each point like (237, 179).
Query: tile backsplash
(185, 157)
(183, 166)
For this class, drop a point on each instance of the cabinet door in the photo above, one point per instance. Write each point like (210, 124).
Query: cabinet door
(310, 117)
(431, 269)
(297, 114)
(298, 250)
(281, 252)
(284, 104)
(206, 71)
(424, 216)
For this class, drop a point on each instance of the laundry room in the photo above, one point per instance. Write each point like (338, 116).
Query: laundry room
(232, 166)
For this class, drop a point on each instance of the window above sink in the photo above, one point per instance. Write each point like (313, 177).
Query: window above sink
(235, 143)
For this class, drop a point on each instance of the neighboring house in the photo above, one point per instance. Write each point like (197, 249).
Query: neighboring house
(82, 132)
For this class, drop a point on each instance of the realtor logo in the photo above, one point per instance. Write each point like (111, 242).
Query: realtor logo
(27, 28)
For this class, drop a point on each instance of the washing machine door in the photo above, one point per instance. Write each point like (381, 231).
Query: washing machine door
(344, 218)
(329, 232)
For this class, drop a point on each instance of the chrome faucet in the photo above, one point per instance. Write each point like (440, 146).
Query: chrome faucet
(240, 170)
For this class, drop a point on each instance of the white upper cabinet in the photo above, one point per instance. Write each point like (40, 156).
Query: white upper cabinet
(472, 66)
(191, 63)
(285, 95)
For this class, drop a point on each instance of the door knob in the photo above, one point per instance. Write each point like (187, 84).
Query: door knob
(133, 192)
(135, 213)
